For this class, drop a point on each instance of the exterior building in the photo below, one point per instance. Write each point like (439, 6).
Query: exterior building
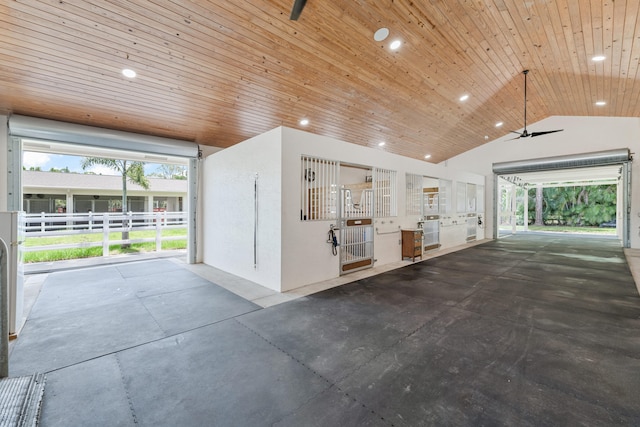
(56, 192)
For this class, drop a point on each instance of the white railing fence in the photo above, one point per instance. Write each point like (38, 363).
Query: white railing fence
(67, 224)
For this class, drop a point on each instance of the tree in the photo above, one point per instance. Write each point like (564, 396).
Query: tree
(167, 171)
(131, 171)
(576, 205)
(538, 205)
(63, 170)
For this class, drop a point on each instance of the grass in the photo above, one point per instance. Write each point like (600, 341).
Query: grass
(569, 229)
(45, 255)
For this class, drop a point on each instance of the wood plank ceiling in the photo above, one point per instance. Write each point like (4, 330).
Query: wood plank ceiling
(219, 72)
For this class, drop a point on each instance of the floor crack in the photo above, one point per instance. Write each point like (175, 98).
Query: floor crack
(126, 390)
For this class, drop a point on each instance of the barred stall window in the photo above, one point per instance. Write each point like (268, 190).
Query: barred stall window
(461, 197)
(386, 203)
(444, 196)
(319, 189)
(414, 194)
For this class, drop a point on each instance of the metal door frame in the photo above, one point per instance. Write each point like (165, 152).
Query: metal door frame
(351, 225)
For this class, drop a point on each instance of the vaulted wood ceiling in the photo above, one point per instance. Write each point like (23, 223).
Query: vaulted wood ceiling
(218, 72)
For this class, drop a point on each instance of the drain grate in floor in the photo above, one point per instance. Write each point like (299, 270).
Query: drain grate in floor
(20, 400)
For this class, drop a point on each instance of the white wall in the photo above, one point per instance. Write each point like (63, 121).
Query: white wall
(228, 209)
(306, 257)
(3, 162)
(293, 253)
(580, 135)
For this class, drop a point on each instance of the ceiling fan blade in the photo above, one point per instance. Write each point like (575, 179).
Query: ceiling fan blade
(298, 5)
(513, 131)
(545, 132)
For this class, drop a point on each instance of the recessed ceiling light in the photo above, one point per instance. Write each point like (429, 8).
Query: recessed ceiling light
(499, 124)
(304, 122)
(381, 144)
(381, 34)
(428, 156)
(395, 44)
(486, 137)
(601, 103)
(598, 58)
(129, 73)
(464, 98)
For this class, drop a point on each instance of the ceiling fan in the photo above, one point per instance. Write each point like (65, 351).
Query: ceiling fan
(298, 5)
(525, 133)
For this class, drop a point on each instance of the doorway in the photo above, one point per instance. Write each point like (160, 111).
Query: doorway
(519, 185)
(356, 218)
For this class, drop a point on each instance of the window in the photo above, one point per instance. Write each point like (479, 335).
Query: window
(472, 195)
(319, 189)
(444, 196)
(461, 197)
(385, 193)
(414, 194)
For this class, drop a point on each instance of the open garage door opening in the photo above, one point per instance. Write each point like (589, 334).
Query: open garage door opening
(584, 194)
(77, 179)
(89, 202)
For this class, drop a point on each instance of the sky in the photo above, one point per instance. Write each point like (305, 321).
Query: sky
(46, 161)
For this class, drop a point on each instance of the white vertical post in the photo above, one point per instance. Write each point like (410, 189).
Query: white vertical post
(90, 220)
(42, 223)
(514, 207)
(526, 208)
(159, 218)
(4, 306)
(105, 234)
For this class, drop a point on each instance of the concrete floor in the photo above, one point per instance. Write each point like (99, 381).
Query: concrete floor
(527, 330)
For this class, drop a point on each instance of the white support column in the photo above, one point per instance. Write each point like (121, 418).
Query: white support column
(192, 205)
(69, 202)
(4, 167)
(526, 208)
(514, 206)
(150, 203)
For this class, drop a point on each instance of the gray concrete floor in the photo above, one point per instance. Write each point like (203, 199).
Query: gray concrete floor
(526, 330)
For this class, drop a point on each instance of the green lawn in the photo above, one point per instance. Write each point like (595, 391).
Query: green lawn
(45, 255)
(569, 229)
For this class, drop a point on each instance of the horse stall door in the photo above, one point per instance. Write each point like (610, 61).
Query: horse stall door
(356, 232)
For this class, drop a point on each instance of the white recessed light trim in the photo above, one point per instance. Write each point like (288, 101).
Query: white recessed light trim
(129, 73)
(395, 45)
(304, 122)
(499, 124)
(381, 144)
(464, 97)
(598, 58)
(601, 103)
(428, 156)
(381, 34)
